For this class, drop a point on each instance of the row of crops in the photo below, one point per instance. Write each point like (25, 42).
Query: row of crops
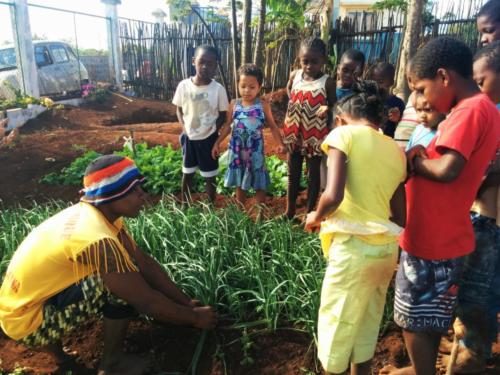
(162, 166)
(256, 274)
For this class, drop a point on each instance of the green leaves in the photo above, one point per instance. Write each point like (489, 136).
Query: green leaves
(73, 174)
(162, 167)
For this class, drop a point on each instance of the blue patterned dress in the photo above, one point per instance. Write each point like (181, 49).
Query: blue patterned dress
(246, 163)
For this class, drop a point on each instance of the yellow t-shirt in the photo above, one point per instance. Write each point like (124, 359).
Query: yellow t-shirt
(375, 168)
(58, 253)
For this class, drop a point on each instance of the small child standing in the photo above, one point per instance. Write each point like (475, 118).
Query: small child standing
(201, 107)
(349, 70)
(361, 213)
(247, 117)
(429, 120)
(307, 121)
(446, 177)
(383, 74)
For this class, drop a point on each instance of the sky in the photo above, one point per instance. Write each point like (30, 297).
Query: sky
(90, 31)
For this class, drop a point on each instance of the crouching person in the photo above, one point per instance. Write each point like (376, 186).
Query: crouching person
(82, 262)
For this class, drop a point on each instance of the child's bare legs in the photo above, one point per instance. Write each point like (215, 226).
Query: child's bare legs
(294, 173)
(313, 181)
(423, 351)
(241, 196)
(187, 183)
(260, 196)
(210, 188)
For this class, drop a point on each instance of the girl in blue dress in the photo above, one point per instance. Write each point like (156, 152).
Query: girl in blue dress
(245, 121)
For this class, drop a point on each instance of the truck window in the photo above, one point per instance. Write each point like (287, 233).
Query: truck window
(59, 53)
(42, 56)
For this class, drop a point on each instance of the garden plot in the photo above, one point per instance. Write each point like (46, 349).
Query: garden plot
(263, 279)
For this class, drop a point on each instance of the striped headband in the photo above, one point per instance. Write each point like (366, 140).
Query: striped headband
(109, 178)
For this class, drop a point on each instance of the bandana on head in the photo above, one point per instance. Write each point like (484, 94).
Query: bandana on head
(108, 178)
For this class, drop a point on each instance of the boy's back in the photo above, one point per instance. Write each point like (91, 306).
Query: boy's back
(439, 226)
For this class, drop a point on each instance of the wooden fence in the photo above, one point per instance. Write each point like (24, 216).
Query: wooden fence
(379, 34)
(157, 57)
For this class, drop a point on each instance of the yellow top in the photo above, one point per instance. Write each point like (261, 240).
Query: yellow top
(58, 253)
(375, 168)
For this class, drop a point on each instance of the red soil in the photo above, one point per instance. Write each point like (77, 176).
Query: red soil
(56, 138)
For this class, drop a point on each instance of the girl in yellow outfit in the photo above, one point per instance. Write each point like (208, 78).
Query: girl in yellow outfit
(360, 213)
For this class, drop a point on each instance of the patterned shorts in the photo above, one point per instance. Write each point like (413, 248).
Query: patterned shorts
(73, 306)
(426, 293)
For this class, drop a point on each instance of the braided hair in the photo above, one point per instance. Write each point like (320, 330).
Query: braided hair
(314, 43)
(364, 103)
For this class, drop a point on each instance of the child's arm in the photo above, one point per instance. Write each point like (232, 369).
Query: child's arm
(398, 206)
(180, 118)
(224, 131)
(333, 195)
(444, 169)
(331, 97)
(272, 125)
(290, 83)
(221, 119)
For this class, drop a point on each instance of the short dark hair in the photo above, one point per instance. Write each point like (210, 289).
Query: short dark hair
(251, 70)
(490, 10)
(354, 55)
(365, 102)
(206, 48)
(314, 43)
(386, 69)
(442, 52)
(491, 52)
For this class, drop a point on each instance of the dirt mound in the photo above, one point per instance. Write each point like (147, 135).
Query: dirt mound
(142, 115)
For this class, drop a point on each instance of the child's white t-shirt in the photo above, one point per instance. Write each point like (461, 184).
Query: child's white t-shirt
(200, 106)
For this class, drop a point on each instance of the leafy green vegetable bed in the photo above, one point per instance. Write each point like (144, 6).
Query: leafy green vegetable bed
(162, 166)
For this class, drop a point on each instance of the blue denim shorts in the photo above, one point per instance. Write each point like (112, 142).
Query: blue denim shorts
(426, 293)
(479, 290)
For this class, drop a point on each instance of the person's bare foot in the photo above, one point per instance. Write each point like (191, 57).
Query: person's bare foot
(62, 355)
(459, 328)
(391, 370)
(445, 346)
(467, 362)
(125, 364)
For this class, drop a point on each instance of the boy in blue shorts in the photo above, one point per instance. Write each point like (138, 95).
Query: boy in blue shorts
(201, 109)
(479, 292)
(447, 176)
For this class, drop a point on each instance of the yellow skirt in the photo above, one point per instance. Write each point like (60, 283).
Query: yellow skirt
(352, 301)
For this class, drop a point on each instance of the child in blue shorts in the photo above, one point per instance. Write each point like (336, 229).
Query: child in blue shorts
(446, 177)
(201, 108)
(479, 292)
